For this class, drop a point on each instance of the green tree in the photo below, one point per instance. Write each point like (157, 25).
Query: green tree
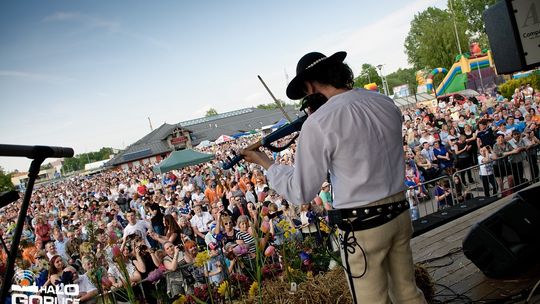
(401, 77)
(211, 112)
(272, 105)
(77, 163)
(431, 41)
(368, 74)
(5, 181)
(45, 166)
(470, 12)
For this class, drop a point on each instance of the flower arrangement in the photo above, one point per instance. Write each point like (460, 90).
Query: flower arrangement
(202, 258)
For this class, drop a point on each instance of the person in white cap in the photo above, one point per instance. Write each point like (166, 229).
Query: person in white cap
(356, 137)
(326, 195)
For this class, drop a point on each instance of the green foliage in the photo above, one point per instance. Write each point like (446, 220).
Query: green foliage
(400, 77)
(431, 42)
(507, 89)
(470, 12)
(77, 163)
(211, 112)
(45, 166)
(5, 181)
(272, 105)
(368, 74)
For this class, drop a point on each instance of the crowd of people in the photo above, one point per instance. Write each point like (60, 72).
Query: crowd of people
(162, 221)
(158, 222)
(495, 133)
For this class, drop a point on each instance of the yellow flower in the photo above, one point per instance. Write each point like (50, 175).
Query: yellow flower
(324, 227)
(180, 300)
(201, 258)
(85, 248)
(254, 289)
(223, 288)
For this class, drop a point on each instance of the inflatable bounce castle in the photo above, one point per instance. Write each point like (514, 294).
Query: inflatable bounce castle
(473, 70)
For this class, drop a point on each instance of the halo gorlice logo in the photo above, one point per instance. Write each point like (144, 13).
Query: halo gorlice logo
(24, 278)
(25, 291)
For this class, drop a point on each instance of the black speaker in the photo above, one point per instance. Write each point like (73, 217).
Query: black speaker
(531, 196)
(510, 54)
(507, 242)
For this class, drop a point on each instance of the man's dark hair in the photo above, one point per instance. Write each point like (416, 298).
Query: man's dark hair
(340, 76)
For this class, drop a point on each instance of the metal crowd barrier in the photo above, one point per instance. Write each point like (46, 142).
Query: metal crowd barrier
(509, 177)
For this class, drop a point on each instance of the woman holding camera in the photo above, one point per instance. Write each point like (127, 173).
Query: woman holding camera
(145, 261)
(176, 282)
(115, 274)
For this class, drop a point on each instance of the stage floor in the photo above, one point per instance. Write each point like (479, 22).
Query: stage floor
(459, 273)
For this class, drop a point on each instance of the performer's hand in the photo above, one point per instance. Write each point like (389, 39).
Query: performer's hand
(257, 157)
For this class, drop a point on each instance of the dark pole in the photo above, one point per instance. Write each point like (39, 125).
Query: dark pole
(32, 175)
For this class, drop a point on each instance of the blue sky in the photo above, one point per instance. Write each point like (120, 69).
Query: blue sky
(87, 74)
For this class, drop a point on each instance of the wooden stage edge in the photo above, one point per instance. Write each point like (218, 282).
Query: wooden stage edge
(459, 273)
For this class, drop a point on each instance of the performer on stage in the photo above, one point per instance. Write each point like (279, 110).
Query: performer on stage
(356, 136)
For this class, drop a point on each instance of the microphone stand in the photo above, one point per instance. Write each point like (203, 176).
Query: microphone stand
(38, 154)
(10, 271)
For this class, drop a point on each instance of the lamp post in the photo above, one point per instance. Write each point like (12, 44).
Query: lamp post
(366, 73)
(383, 80)
(455, 26)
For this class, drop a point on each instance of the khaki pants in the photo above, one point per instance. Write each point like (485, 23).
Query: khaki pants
(390, 271)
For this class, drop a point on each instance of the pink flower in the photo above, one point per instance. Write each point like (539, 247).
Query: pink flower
(155, 275)
(269, 251)
(116, 251)
(265, 227)
(240, 249)
(112, 237)
(264, 211)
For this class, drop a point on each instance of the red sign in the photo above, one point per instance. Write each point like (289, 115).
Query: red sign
(178, 140)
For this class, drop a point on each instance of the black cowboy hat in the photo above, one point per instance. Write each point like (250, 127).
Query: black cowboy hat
(306, 65)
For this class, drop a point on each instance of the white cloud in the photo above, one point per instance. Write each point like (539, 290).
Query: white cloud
(108, 25)
(381, 42)
(62, 16)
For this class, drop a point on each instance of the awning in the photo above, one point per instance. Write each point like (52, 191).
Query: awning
(280, 123)
(223, 138)
(181, 159)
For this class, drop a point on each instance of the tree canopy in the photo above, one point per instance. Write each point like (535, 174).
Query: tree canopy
(368, 74)
(5, 181)
(211, 112)
(78, 161)
(272, 105)
(431, 41)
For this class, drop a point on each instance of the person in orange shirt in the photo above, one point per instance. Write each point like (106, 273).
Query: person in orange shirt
(29, 253)
(210, 192)
(221, 188)
(257, 174)
(242, 183)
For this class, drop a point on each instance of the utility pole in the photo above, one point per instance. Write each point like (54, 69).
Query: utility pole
(455, 26)
(150, 122)
(383, 80)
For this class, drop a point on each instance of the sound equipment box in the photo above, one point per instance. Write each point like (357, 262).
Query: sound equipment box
(507, 242)
(512, 27)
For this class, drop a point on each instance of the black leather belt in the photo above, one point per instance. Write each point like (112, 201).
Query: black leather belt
(356, 219)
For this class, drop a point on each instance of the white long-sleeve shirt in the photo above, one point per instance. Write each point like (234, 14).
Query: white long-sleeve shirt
(356, 136)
